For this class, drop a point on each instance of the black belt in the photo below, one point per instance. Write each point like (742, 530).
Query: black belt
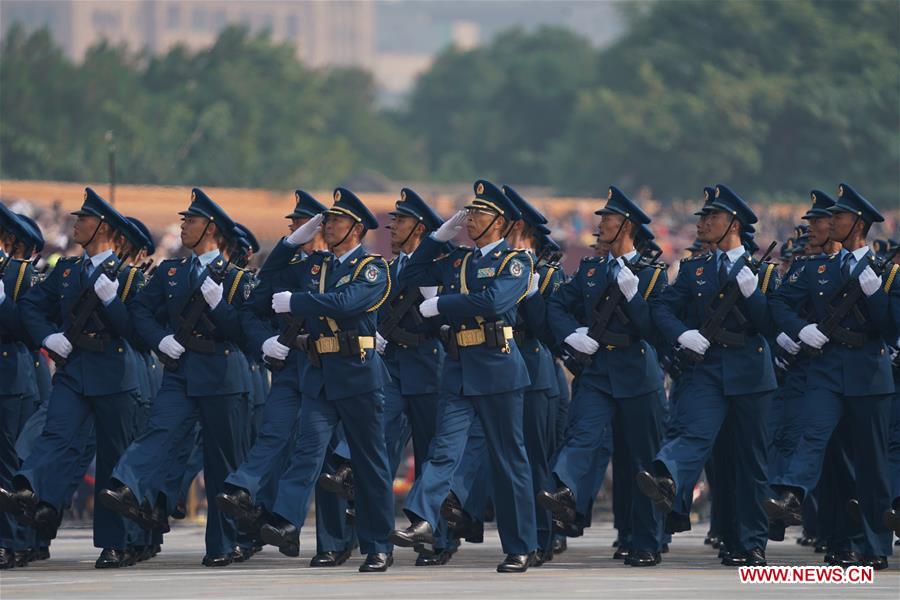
(92, 341)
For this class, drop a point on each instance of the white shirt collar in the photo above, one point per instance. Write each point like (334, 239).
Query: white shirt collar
(624, 258)
(733, 255)
(98, 258)
(860, 253)
(486, 249)
(207, 257)
(346, 255)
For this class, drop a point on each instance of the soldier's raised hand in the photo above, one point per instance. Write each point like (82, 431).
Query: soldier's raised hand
(212, 291)
(106, 288)
(306, 232)
(747, 281)
(869, 282)
(451, 227)
(281, 302)
(627, 281)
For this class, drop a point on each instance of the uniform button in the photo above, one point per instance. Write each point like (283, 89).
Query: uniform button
(759, 349)
(227, 351)
(881, 351)
(6, 354)
(699, 293)
(400, 297)
(434, 350)
(642, 350)
(821, 293)
(119, 350)
(321, 318)
(536, 350)
(721, 295)
(462, 326)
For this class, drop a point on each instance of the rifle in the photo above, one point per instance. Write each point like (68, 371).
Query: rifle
(729, 295)
(842, 304)
(610, 306)
(84, 310)
(389, 327)
(191, 314)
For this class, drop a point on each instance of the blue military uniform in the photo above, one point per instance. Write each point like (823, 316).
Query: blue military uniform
(413, 355)
(852, 378)
(736, 380)
(481, 380)
(97, 382)
(622, 377)
(206, 384)
(343, 387)
(18, 384)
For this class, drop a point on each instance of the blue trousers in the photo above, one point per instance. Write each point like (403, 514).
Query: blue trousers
(704, 410)
(47, 470)
(868, 419)
(172, 416)
(408, 416)
(501, 416)
(640, 426)
(14, 411)
(362, 419)
(894, 446)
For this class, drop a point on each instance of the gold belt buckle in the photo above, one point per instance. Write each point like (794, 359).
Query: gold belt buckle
(470, 337)
(327, 345)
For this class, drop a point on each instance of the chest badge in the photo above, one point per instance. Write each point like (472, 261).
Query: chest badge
(590, 272)
(315, 269)
(821, 269)
(67, 272)
(172, 271)
(486, 272)
(698, 272)
(457, 263)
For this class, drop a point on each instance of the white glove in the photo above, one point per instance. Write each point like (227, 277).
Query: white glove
(811, 336)
(693, 340)
(534, 286)
(305, 232)
(869, 281)
(380, 343)
(582, 342)
(429, 307)
(429, 291)
(628, 282)
(781, 363)
(170, 347)
(451, 227)
(747, 281)
(212, 291)
(58, 343)
(105, 288)
(281, 302)
(2, 291)
(785, 341)
(272, 347)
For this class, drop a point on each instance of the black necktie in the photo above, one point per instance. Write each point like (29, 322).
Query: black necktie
(723, 269)
(477, 254)
(195, 271)
(845, 269)
(401, 262)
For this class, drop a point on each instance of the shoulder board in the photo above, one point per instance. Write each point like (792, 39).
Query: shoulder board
(591, 259)
(693, 258)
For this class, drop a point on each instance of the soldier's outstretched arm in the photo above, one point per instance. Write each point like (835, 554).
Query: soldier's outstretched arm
(143, 312)
(364, 293)
(501, 295)
(665, 307)
(423, 269)
(785, 301)
(39, 307)
(564, 308)
(638, 308)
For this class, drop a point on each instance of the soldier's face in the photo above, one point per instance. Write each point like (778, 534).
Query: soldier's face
(715, 224)
(336, 229)
(401, 226)
(841, 224)
(819, 230)
(478, 220)
(192, 227)
(611, 226)
(84, 229)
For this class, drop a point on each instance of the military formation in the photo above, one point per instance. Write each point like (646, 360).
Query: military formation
(516, 385)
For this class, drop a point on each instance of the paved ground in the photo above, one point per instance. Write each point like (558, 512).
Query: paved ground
(585, 571)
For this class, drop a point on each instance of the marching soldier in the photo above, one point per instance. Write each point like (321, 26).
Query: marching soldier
(81, 315)
(484, 374)
(188, 313)
(18, 386)
(732, 375)
(622, 377)
(851, 376)
(341, 384)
